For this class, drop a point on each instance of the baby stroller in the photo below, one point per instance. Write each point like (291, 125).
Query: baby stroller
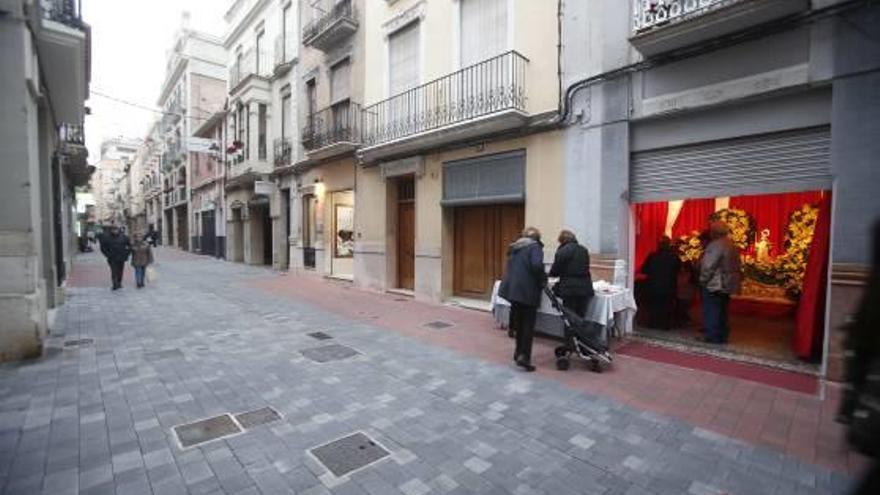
(583, 338)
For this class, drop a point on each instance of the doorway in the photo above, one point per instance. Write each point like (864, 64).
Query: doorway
(284, 231)
(209, 236)
(237, 235)
(308, 230)
(343, 234)
(406, 233)
(481, 237)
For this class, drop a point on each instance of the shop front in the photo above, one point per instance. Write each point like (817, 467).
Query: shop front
(773, 192)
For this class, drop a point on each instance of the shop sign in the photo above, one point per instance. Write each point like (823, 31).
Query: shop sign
(263, 187)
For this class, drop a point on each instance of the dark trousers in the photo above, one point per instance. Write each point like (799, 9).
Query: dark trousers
(522, 322)
(117, 268)
(139, 272)
(870, 483)
(661, 306)
(715, 320)
(578, 304)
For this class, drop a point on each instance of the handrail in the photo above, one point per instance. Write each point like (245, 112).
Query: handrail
(315, 27)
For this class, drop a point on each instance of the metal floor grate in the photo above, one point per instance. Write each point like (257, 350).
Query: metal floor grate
(349, 454)
(206, 430)
(78, 342)
(320, 336)
(438, 324)
(257, 417)
(327, 353)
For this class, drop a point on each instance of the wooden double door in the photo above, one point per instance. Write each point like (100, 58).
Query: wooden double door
(482, 236)
(406, 233)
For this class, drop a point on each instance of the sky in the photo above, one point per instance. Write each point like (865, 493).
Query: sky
(130, 39)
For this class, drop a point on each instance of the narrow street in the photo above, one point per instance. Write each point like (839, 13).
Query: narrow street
(97, 413)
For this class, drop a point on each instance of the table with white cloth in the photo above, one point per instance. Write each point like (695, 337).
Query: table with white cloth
(612, 307)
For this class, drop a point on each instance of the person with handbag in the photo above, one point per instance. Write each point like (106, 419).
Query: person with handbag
(860, 407)
(141, 257)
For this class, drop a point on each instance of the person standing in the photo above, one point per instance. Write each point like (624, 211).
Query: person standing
(141, 257)
(661, 267)
(720, 273)
(116, 247)
(572, 265)
(521, 286)
(860, 407)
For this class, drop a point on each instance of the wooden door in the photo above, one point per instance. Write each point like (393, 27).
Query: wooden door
(406, 224)
(482, 235)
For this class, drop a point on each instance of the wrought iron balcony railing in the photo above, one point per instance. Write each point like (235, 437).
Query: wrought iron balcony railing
(72, 134)
(651, 14)
(335, 24)
(490, 86)
(339, 123)
(251, 63)
(67, 12)
(283, 155)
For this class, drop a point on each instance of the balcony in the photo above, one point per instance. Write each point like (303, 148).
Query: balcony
(333, 130)
(481, 99)
(64, 42)
(242, 172)
(663, 25)
(251, 64)
(285, 52)
(73, 153)
(283, 152)
(331, 28)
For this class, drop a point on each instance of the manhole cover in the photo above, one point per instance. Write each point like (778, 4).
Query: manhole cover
(327, 353)
(349, 454)
(78, 342)
(205, 430)
(438, 324)
(164, 354)
(257, 417)
(320, 336)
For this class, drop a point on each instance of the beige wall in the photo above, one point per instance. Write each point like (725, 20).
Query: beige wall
(534, 28)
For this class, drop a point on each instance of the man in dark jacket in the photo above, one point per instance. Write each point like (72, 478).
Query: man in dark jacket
(522, 284)
(572, 266)
(116, 247)
(661, 267)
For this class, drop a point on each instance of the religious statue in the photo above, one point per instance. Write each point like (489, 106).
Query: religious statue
(762, 247)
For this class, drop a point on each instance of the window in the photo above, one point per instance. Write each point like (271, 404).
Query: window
(258, 52)
(403, 59)
(285, 115)
(286, 33)
(261, 132)
(340, 81)
(311, 101)
(483, 30)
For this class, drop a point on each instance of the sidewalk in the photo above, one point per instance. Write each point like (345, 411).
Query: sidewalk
(797, 424)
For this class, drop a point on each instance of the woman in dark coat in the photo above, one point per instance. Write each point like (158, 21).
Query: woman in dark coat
(572, 266)
(662, 268)
(521, 286)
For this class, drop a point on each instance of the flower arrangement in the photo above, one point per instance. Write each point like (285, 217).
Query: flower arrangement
(690, 247)
(740, 223)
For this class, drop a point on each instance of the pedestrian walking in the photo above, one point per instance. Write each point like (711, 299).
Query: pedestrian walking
(572, 265)
(141, 257)
(860, 407)
(522, 284)
(152, 236)
(720, 273)
(661, 267)
(116, 247)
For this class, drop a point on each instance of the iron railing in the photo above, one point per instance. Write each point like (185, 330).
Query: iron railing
(341, 11)
(490, 86)
(283, 155)
(251, 63)
(339, 123)
(67, 12)
(650, 14)
(72, 134)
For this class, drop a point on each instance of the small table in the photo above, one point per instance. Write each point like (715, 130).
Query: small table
(612, 307)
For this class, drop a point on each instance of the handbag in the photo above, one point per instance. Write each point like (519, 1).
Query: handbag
(151, 274)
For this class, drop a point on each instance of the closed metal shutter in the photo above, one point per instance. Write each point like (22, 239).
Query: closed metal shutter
(768, 163)
(492, 179)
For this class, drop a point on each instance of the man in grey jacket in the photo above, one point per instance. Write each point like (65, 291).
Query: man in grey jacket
(720, 273)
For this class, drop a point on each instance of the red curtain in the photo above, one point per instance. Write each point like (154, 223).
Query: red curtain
(694, 215)
(771, 211)
(651, 222)
(810, 321)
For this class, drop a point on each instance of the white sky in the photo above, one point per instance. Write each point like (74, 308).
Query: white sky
(129, 41)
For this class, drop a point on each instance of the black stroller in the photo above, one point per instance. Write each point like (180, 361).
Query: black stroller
(583, 338)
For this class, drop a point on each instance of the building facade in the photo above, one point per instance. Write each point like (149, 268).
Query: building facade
(207, 197)
(44, 82)
(110, 183)
(192, 92)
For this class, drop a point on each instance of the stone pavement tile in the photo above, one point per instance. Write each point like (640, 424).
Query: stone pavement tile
(107, 488)
(26, 485)
(62, 482)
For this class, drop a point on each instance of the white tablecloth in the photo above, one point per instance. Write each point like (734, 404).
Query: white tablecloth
(612, 307)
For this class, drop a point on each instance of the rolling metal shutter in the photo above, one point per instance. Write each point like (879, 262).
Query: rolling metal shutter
(768, 163)
(492, 179)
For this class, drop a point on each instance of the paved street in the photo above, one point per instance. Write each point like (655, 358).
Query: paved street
(97, 417)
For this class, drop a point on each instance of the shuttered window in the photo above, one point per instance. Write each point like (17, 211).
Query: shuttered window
(489, 179)
(340, 81)
(767, 163)
(403, 59)
(483, 30)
